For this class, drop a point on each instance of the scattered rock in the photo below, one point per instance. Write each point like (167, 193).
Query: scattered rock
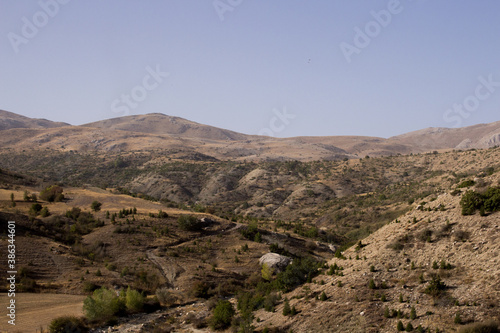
(275, 261)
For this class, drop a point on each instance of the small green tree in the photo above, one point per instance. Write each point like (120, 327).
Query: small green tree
(96, 206)
(222, 315)
(323, 297)
(409, 327)
(400, 327)
(458, 318)
(286, 308)
(371, 284)
(413, 313)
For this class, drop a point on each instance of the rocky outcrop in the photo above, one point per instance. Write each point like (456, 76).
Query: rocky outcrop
(275, 261)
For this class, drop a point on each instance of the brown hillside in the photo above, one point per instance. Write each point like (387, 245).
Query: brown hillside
(157, 123)
(402, 254)
(10, 120)
(477, 136)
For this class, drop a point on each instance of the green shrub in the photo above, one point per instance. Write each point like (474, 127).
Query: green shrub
(298, 272)
(35, 209)
(102, 306)
(413, 313)
(189, 223)
(222, 315)
(492, 199)
(409, 327)
(400, 327)
(470, 202)
(387, 312)
(134, 300)
(67, 324)
(466, 183)
(96, 206)
(487, 202)
(286, 308)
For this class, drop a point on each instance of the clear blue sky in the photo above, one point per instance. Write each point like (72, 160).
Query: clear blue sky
(235, 65)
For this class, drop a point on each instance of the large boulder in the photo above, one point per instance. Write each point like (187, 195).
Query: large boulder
(275, 261)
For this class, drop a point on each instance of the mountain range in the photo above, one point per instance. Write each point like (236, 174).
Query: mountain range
(159, 131)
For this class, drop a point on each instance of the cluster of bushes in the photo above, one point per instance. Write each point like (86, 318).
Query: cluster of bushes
(104, 304)
(52, 193)
(335, 270)
(488, 201)
(85, 221)
(189, 223)
(37, 209)
(251, 232)
(436, 287)
(29, 197)
(67, 324)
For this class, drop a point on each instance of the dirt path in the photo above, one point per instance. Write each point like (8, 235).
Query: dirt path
(169, 269)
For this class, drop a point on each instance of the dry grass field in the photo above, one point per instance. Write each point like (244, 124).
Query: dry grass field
(35, 311)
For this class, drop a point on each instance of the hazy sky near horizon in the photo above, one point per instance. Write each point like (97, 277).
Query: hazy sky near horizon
(283, 68)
